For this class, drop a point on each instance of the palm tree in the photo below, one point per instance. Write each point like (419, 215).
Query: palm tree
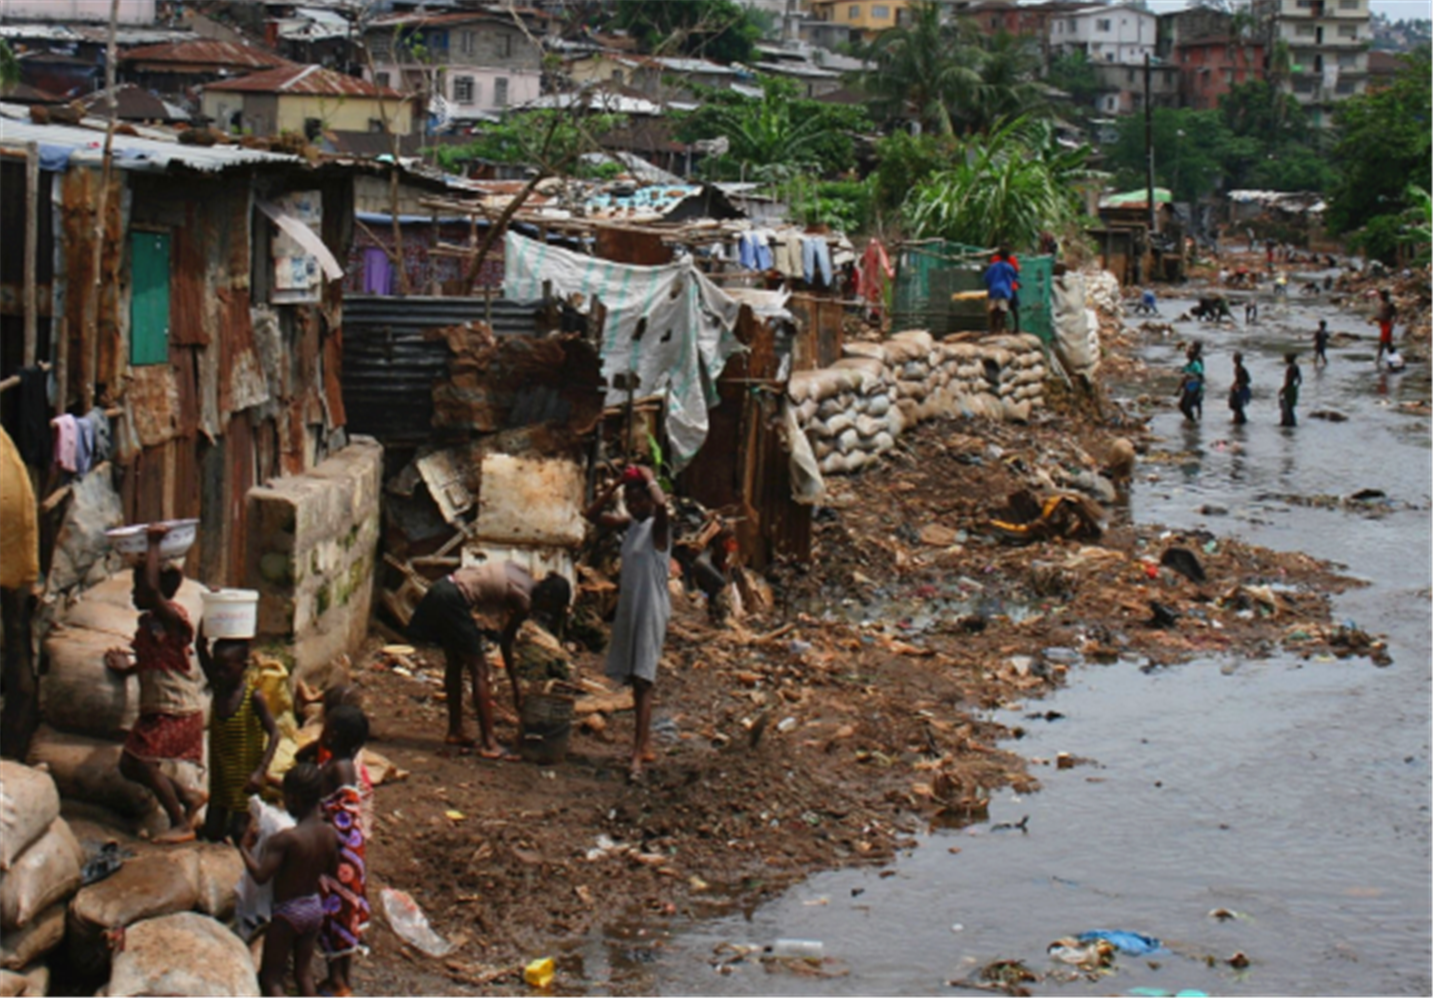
(9, 66)
(924, 68)
(1007, 87)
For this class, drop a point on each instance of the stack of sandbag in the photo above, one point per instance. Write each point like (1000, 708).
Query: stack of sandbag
(1075, 323)
(182, 954)
(88, 709)
(853, 411)
(40, 864)
(1102, 292)
(847, 411)
(1019, 363)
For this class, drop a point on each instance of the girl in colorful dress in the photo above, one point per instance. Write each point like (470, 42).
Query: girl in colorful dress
(345, 896)
(170, 727)
(242, 737)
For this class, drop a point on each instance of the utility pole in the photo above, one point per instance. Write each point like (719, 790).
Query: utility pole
(1149, 150)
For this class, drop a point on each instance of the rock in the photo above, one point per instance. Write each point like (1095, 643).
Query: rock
(183, 954)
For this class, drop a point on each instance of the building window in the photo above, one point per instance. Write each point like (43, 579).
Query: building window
(465, 42)
(1103, 24)
(1348, 31)
(880, 12)
(1348, 4)
(1347, 60)
(1304, 4)
(618, 77)
(505, 46)
(381, 79)
(313, 127)
(1129, 76)
(463, 89)
(500, 92)
(853, 13)
(376, 125)
(1304, 30)
(1070, 25)
(1346, 87)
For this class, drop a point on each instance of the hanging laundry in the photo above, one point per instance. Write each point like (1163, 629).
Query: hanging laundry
(103, 448)
(763, 249)
(787, 254)
(84, 445)
(67, 434)
(746, 251)
(875, 270)
(816, 260)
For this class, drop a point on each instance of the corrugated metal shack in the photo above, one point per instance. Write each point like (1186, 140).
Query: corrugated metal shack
(217, 358)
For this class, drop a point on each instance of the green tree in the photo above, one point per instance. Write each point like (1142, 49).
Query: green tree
(720, 30)
(1007, 87)
(774, 137)
(1073, 73)
(923, 69)
(9, 66)
(904, 162)
(1009, 187)
(1384, 141)
(1190, 148)
(552, 142)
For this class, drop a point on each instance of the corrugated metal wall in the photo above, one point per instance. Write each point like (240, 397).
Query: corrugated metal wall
(389, 366)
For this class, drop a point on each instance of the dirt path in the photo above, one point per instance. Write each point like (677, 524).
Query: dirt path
(825, 732)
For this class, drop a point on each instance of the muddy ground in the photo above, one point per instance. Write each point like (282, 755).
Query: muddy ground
(826, 730)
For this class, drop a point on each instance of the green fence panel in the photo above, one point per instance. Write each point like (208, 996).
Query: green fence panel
(928, 273)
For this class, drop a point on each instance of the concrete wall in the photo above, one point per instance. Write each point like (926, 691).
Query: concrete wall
(312, 548)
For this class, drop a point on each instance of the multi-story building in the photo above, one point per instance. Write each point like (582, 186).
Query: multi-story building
(1210, 67)
(1327, 46)
(477, 62)
(1121, 87)
(1115, 33)
(862, 19)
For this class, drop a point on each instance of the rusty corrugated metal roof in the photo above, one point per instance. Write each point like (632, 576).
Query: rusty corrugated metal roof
(310, 80)
(229, 55)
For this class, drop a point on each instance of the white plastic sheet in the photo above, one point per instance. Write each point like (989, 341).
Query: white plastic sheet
(687, 337)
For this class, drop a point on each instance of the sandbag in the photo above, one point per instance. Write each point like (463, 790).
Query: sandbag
(807, 485)
(918, 339)
(806, 411)
(1077, 349)
(159, 883)
(1017, 412)
(79, 693)
(848, 441)
(873, 350)
(819, 385)
(29, 803)
(836, 425)
(182, 954)
(219, 869)
(869, 426)
(914, 370)
(22, 947)
(12, 984)
(833, 405)
(878, 405)
(910, 389)
(87, 769)
(46, 872)
(867, 374)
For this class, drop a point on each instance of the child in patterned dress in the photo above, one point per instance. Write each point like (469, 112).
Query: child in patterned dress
(345, 896)
(243, 737)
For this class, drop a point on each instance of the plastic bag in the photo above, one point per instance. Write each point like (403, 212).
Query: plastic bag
(254, 903)
(411, 924)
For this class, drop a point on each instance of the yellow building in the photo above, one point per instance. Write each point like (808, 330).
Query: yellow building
(305, 100)
(865, 17)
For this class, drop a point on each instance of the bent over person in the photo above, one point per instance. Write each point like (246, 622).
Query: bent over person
(504, 594)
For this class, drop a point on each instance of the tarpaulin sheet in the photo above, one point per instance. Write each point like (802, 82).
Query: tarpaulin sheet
(687, 339)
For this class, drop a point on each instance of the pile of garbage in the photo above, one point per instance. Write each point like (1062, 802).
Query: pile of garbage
(853, 411)
(1412, 295)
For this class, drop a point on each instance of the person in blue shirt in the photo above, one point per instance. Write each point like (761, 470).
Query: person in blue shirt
(1191, 384)
(1000, 279)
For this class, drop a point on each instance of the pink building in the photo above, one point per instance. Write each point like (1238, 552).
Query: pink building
(1210, 67)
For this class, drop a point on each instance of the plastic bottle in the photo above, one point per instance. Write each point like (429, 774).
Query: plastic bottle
(810, 949)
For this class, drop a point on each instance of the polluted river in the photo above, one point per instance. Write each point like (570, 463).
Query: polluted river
(1264, 818)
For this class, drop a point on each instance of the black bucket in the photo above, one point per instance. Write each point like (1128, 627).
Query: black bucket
(546, 727)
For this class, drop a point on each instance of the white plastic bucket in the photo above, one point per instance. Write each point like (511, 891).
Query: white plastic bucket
(230, 613)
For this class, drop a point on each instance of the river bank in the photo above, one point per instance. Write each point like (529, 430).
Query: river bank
(832, 730)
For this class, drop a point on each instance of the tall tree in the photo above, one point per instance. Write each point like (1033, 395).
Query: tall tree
(775, 136)
(1384, 143)
(720, 30)
(923, 69)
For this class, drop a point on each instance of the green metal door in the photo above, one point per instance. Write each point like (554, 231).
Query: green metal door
(149, 298)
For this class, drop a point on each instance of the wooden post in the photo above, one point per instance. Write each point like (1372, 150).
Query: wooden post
(90, 321)
(32, 249)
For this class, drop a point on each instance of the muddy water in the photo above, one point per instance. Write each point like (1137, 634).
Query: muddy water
(1292, 793)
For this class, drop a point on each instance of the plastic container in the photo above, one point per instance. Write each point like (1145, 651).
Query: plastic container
(230, 613)
(808, 949)
(133, 540)
(539, 973)
(546, 727)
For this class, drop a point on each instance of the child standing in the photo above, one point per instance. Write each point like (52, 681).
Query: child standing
(1191, 385)
(1321, 343)
(345, 894)
(1385, 316)
(1240, 393)
(242, 737)
(296, 859)
(171, 709)
(1289, 394)
(644, 604)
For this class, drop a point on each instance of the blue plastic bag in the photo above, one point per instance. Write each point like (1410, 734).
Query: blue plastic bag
(1131, 943)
